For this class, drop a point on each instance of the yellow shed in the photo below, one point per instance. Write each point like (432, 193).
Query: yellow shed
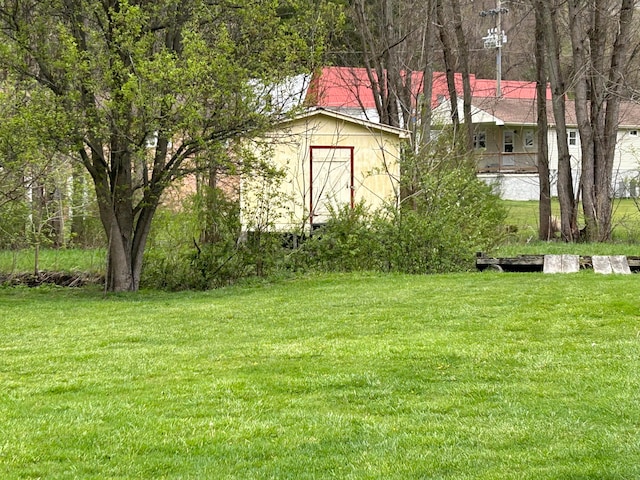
(325, 160)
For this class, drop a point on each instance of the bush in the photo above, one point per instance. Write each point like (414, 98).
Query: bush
(204, 248)
(347, 242)
(447, 215)
(195, 250)
(454, 216)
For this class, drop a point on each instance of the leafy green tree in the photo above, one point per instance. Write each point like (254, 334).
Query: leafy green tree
(146, 86)
(33, 172)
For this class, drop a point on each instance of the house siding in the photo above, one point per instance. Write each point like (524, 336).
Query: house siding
(375, 173)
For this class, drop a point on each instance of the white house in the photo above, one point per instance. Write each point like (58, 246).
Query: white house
(506, 127)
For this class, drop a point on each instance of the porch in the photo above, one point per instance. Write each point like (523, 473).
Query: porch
(507, 162)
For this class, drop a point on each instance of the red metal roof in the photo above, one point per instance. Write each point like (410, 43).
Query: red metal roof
(350, 87)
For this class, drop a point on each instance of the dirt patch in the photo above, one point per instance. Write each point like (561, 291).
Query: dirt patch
(61, 279)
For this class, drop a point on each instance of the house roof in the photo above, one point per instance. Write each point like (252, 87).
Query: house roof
(520, 111)
(350, 87)
(317, 111)
(348, 91)
(629, 115)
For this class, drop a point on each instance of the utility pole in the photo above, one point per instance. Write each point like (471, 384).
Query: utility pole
(495, 39)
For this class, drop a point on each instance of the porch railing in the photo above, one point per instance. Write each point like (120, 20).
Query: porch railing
(507, 162)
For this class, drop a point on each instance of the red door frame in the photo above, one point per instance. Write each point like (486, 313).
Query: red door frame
(351, 165)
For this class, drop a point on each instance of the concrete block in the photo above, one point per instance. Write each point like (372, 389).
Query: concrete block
(552, 264)
(601, 264)
(610, 264)
(561, 264)
(619, 264)
(570, 263)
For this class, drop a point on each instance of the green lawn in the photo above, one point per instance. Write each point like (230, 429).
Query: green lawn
(54, 260)
(469, 376)
(525, 217)
(523, 224)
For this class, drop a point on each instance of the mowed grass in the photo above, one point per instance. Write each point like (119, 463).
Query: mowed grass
(522, 221)
(524, 216)
(465, 376)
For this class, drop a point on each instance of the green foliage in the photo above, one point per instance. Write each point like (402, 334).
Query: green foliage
(203, 247)
(347, 242)
(452, 216)
(13, 223)
(446, 217)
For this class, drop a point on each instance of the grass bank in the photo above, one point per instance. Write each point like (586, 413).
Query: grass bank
(476, 376)
(69, 260)
(523, 217)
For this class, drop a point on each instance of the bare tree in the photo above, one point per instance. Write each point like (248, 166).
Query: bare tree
(391, 35)
(544, 205)
(547, 14)
(599, 72)
(463, 62)
(427, 73)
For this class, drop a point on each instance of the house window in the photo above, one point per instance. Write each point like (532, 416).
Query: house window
(528, 138)
(507, 141)
(573, 137)
(633, 133)
(480, 140)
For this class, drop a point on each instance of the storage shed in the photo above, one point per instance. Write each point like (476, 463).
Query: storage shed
(324, 160)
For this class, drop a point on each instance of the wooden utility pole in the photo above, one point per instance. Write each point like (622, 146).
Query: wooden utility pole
(496, 39)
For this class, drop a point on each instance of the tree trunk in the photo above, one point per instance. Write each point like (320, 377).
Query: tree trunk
(127, 228)
(544, 205)
(427, 78)
(617, 70)
(599, 79)
(126, 247)
(449, 61)
(566, 197)
(463, 61)
(373, 63)
(393, 80)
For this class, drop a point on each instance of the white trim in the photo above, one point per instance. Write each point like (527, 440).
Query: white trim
(401, 133)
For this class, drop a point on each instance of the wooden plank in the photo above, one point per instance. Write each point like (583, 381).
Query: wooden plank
(520, 263)
(535, 263)
(633, 262)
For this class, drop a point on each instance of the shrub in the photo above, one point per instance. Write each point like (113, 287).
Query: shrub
(453, 216)
(347, 242)
(446, 216)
